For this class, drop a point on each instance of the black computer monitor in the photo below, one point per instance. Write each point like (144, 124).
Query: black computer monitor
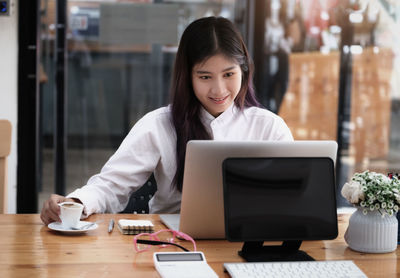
(287, 199)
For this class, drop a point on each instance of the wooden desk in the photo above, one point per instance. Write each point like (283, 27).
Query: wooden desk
(29, 249)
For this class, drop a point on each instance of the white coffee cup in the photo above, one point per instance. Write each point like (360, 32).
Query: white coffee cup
(70, 214)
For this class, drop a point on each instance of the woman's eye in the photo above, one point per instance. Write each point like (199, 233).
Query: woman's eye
(229, 74)
(204, 77)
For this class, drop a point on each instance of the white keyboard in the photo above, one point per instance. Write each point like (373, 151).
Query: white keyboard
(334, 269)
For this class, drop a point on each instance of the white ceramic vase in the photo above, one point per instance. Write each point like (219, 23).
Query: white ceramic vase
(372, 233)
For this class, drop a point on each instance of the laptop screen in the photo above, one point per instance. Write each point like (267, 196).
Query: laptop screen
(279, 198)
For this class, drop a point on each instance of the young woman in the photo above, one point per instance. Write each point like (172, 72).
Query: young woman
(212, 99)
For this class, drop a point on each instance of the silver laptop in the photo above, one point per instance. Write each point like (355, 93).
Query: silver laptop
(202, 206)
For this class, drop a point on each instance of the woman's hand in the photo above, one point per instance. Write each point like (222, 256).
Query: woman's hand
(51, 210)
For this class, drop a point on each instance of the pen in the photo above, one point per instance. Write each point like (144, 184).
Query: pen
(111, 226)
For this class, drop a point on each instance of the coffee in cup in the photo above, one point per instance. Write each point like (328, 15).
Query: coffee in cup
(70, 214)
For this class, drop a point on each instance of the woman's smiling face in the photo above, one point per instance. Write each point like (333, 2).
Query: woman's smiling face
(216, 83)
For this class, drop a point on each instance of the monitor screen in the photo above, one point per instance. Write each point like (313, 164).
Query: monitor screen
(279, 198)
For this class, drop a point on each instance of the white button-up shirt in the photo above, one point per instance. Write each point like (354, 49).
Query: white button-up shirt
(150, 147)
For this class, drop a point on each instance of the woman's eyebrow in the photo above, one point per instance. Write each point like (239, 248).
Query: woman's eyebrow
(208, 72)
(230, 68)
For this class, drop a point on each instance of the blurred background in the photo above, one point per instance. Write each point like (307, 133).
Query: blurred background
(329, 68)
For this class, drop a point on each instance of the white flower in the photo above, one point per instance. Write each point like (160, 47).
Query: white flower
(353, 192)
(371, 196)
(372, 207)
(373, 191)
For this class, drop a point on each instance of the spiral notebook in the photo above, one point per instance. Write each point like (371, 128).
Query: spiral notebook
(133, 227)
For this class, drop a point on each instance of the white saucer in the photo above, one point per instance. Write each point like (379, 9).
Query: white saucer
(57, 226)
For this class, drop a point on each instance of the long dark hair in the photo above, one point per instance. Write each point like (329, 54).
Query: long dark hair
(202, 39)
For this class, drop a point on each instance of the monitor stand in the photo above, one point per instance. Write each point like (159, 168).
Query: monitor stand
(289, 251)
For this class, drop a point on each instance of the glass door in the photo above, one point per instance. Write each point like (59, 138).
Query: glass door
(119, 59)
(329, 68)
(333, 75)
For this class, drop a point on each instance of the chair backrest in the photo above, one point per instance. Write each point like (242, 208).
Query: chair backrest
(5, 146)
(139, 200)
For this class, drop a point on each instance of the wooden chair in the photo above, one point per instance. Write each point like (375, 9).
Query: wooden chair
(5, 146)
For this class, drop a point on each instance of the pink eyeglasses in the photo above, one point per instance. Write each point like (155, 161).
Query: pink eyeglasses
(143, 241)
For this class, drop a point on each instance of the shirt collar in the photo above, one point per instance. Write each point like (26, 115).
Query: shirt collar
(227, 115)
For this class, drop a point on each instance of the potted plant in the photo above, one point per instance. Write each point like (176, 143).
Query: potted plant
(373, 227)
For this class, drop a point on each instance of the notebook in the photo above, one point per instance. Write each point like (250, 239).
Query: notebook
(133, 227)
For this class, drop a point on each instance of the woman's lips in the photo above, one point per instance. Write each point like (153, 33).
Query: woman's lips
(219, 100)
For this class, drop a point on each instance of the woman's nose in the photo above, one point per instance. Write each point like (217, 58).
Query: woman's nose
(218, 87)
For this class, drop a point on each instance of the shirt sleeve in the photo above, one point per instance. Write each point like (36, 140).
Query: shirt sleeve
(282, 131)
(125, 172)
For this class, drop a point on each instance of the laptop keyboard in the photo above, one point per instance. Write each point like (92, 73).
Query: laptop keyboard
(334, 269)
